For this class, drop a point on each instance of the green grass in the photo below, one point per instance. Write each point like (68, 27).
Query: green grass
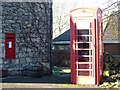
(61, 70)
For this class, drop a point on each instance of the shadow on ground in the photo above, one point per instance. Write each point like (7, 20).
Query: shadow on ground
(44, 79)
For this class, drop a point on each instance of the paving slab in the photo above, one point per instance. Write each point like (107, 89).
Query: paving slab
(42, 82)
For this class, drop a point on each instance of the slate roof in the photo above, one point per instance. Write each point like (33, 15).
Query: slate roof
(63, 37)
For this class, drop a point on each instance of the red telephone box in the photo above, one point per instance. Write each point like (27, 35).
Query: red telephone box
(86, 42)
(10, 45)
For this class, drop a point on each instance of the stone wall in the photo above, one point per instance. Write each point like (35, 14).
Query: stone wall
(31, 22)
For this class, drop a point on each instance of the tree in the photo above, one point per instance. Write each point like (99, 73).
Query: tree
(60, 18)
(111, 9)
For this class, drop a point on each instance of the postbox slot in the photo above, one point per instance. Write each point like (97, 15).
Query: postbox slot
(10, 38)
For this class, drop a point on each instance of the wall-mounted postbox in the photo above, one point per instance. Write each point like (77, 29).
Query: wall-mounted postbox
(10, 45)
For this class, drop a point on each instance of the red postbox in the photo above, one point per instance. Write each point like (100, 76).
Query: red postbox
(86, 42)
(10, 45)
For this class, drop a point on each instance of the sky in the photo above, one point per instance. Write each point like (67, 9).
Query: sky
(98, 3)
(67, 5)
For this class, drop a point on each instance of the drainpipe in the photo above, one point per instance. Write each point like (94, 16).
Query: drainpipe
(51, 66)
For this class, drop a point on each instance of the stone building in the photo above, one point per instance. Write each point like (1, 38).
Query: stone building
(26, 34)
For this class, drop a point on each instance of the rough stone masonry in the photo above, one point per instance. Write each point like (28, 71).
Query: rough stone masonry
(32, 24)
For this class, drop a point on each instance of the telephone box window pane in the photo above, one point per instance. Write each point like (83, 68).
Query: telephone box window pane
(83, 52)
(83, 66)
(83, 31)
(83, 73)
(83, 38)
(83, 45)
(83, 59)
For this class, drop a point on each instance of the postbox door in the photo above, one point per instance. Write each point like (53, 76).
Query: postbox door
(10, 45)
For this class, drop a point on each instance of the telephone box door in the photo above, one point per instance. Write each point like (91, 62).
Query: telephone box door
(10, 45)
(85, 53)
